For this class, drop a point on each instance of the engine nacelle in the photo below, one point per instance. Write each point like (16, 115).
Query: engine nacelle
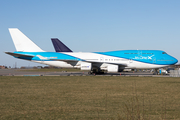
(86, 66)
(112, 68)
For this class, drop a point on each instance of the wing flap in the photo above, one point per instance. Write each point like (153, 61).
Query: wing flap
(65, 60)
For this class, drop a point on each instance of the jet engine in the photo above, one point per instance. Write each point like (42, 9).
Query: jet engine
(112, 68)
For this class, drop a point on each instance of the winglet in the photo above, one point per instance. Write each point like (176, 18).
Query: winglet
(59, 46)
(22, 42)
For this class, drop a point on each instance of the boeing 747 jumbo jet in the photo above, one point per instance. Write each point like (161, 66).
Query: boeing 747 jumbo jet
(113, 61)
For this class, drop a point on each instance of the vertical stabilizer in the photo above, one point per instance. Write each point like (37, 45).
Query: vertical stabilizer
(59, 46)
(22, 42)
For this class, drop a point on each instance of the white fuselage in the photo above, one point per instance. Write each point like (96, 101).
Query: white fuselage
(104, 59)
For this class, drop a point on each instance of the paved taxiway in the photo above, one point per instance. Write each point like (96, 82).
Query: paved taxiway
(17, 72)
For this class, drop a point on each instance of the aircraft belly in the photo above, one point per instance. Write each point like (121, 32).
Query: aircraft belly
(55, 63)
(141, 65)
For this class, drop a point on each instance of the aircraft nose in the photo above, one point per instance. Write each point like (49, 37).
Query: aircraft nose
(175, 60)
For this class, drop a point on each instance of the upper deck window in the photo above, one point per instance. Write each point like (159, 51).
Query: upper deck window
(130, 53)
(147, 53)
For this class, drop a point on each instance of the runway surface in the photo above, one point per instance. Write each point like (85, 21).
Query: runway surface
(19, 72)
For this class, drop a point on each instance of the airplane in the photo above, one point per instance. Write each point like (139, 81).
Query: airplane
(59, 46)
(94, 62)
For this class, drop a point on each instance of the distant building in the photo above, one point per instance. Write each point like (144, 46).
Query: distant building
(50, 67)
(27, 67)
(3, 67)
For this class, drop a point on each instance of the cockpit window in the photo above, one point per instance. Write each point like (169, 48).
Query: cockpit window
(164, 53)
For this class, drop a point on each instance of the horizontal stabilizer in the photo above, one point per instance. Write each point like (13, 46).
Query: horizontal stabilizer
(19, 55)
(59, 46)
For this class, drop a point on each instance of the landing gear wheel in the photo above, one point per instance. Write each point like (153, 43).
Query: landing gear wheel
(90, 73)
(155, 73)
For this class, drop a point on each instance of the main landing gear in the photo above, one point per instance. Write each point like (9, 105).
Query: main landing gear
(95, 72)
(155, 72)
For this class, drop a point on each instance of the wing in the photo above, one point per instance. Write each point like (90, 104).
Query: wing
(120, 64)
(97, 63)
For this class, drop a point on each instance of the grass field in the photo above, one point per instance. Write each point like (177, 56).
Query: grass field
(92, 97)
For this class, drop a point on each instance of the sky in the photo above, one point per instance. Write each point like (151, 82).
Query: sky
(91, 25)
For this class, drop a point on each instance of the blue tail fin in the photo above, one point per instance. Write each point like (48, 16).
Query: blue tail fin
(59, 46)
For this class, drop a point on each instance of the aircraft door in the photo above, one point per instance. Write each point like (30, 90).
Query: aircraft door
(42, 61)
(154, 60)
(101, 59)
(130, 61)
(139, 53)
